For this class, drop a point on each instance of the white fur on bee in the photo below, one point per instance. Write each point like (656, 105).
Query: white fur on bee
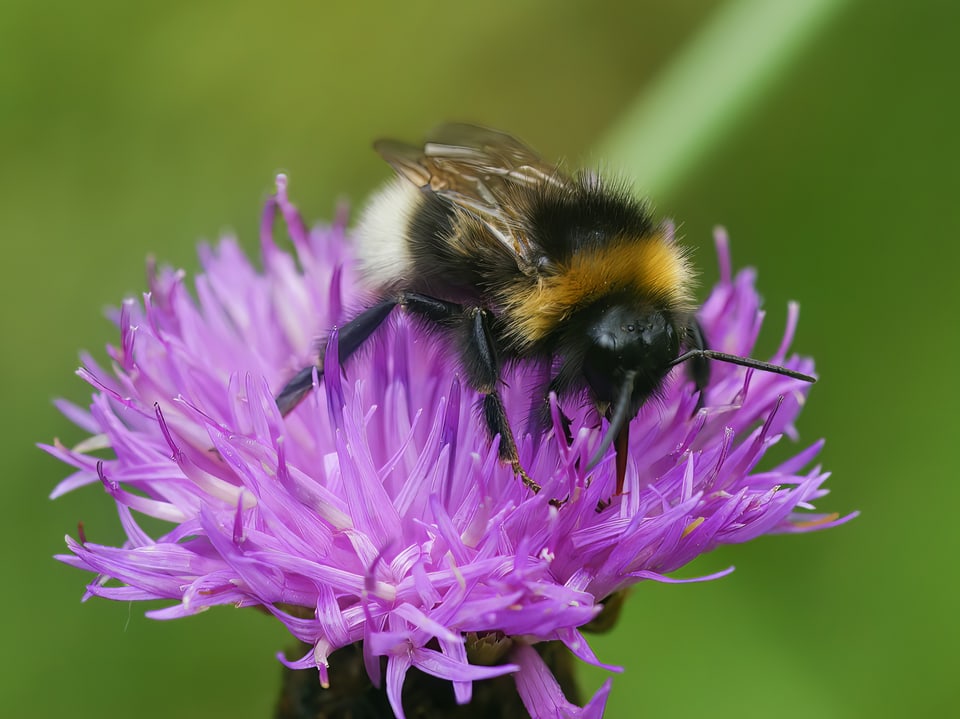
(381, 234)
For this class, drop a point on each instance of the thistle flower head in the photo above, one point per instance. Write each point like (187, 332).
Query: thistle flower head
(378, 511)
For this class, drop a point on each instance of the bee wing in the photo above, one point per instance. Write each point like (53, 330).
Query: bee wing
(479, 170)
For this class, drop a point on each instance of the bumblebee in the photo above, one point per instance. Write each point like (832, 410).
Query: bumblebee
(517, 260)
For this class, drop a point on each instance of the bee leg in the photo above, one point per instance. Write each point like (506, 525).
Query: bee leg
(296, 389)
(698, 368)
(540, 421)
(538, 413)
(478, 355)
(482, 366)
(495, 417)
(353, 334)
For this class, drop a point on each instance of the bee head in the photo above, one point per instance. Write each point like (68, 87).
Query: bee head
(630, 351)
(631, 348)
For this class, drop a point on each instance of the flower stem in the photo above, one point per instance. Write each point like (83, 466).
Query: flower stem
(351, 693)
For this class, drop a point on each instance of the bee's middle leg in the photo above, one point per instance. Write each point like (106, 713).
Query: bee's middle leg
(482, 365)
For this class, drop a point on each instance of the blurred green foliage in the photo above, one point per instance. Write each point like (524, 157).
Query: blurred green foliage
(130, 129)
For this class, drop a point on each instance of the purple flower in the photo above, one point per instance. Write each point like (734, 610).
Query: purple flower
(377, 511)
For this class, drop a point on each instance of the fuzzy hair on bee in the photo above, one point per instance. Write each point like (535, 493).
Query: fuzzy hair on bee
(516, 260)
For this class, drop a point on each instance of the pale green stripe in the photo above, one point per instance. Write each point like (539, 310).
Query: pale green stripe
(719, 76)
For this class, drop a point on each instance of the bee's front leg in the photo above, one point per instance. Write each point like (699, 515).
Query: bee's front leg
(698, 369)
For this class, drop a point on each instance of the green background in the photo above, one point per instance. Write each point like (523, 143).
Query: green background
(135, 128)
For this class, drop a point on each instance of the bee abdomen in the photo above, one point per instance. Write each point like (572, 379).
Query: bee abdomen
(383, 249)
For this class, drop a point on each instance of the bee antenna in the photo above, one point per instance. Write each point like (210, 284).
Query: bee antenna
(743, 362)
(617, 420)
